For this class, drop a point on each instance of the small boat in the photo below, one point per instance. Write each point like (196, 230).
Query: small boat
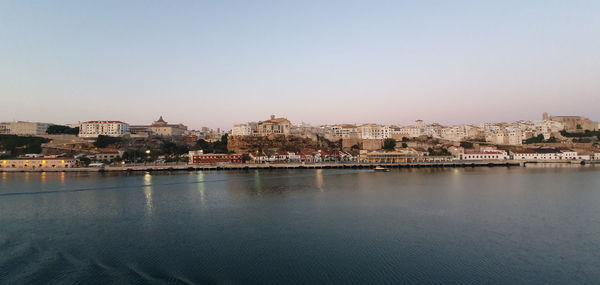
(380, 169)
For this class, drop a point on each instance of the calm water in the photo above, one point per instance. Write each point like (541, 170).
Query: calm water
(436, 226)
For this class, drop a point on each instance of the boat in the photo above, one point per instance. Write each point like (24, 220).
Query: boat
(380, 169)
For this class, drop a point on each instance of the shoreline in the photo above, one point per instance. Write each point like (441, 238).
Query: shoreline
(196, 167)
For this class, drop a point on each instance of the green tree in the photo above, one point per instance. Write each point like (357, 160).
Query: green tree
(537, 139)
(246, 157)
(84, 161)
(104, 141)
(578, 127)
(60, 129)
(404, 145)
(21, 145)
(389, 144)
(466, 145)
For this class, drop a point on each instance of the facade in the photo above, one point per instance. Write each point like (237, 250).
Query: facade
(398, 157)
(345, 131)
(544, 154)
(245, 129)
(274, 126)
(572, 123)
(197, 157)
(374, 131)
(4, 129)
(106, 156)
(24, 128)
(160, 128)
(39, 163)
(93, 129)
(484, 155)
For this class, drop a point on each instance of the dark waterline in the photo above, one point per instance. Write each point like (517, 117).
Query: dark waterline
(533, 225)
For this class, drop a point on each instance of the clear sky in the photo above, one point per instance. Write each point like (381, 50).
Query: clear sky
(216, 63)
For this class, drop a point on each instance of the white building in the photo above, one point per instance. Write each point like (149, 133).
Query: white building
(93, 129)
(345, 131)
(24, 128)
(484, 155)
(374, 131)
(245, 129)
(544, 154)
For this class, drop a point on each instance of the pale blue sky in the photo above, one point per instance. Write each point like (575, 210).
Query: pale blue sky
(215, 63)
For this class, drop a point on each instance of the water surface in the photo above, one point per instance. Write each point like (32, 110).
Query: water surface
(534, 225)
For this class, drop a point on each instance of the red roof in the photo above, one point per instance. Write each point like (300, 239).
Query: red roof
(483, 152)
(104, 122)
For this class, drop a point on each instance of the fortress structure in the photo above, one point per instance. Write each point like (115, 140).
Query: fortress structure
(573, 123)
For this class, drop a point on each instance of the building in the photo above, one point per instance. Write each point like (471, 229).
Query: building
(544, 154)
(484, 155)
(398, 157)
(374, 131)
(93, 129)
(345, 131)
(106, 156)
(4, 129)
(197, 157)
(572, 123)
(160, 128)
(274, 126)
(39, 163)
(24, 128)
(245, 129)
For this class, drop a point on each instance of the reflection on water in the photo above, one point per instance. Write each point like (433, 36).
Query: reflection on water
(319, 179)
(201, 187)
(257, 185)
(148, 190)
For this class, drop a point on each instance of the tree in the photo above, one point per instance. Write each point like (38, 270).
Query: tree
(405, 139)
(578, 127)
(552, 140)
(356, 146)
(104, 141)
(60, 129)
(204, 146)
(84, 161)
(389, 144)
(21, 145)
(537, 139)
(466, 144)
(214, 147)
(404, 145)
(246, 157)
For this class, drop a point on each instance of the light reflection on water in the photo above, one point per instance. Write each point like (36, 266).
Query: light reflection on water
(148, 190)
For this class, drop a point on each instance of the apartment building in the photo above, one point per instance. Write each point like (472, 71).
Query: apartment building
(93, 129)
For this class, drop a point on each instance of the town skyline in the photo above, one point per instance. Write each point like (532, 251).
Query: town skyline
(198, 124)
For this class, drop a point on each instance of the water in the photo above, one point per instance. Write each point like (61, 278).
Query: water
(435, 226)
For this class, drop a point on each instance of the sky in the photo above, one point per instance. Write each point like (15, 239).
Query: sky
(217, 63)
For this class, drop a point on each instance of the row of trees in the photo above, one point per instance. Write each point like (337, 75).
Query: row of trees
(390, 144)
(60, 129)
(17, 145)
(219, 146)
(540, 139)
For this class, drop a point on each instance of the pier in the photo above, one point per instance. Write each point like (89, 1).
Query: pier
(212, 167)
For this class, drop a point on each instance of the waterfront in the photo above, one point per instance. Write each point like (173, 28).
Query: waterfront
(535, 224)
